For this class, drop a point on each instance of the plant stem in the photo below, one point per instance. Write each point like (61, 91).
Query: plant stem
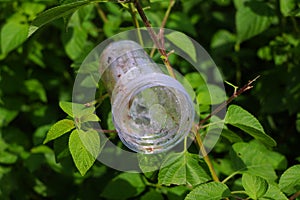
(101, 13)
(294, 21)
(155, 38)
(167, 14)
(205, 157)
(230, 176)
(106, 131)
(136, 23)
(239, 192)
(210, 124)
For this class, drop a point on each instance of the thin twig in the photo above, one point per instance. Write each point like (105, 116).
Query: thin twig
(155, 38)
(106, 131)
(246, 87)
(167, 14)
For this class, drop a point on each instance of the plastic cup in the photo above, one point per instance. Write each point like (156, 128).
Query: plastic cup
(152, 112)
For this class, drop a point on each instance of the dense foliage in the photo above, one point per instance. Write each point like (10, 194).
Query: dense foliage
(41, 53)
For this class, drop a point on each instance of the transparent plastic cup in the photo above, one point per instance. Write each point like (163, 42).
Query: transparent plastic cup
(152, 112)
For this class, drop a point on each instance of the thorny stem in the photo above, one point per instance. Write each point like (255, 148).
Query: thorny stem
(297, 194)
(246, 87)
(163, 24)
(203, 151)
(159, 44)
(106, 131)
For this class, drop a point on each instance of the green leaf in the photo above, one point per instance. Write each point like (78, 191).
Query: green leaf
(240, 118)
(222, 38)
(55, 13)
(67, 108)
(254, 186)
(287, 6)
(128, 185)
(273, 193)
(149, 163)
(252, 19)
(177, 192)
(77, 40)
(75, 109)
(13, 34)
(231, 136)
(290, 180)
(58, 12)
(210, 94)
(58, 129)
(209, 191)
(35, 88)
(75, 46)
(184, 43)
(7, 158)
(61, 149)
(89, 118)
(195, 79)
(183, 168)
(254, 158)
(152, 195)
(6, 116)
(91, 140)
(84, 148)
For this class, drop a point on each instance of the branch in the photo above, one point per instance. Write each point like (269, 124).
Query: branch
(154, 37)
(237, 93)
(106, 131)
(297, 194)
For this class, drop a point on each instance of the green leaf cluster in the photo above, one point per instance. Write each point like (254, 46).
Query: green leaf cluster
(47, 142)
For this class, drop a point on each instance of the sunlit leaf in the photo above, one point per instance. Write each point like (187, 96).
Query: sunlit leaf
(55, 13)
(210, 94)
(183, 168)
(7, 158)
(59, 128)
(273, 192)
(61, 11)
(290, 180)
(84, 148)
(256, 159)
(13, 34)
(255, 186)
(287, 6)
(183, 42)
(240, 118)
(209, 191)
(75, 109)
